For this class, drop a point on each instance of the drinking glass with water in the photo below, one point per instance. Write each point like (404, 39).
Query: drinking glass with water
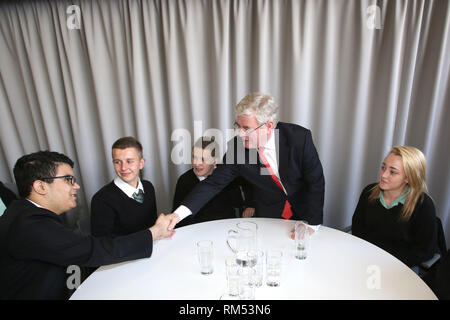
(302, 237)
(273, 267)
(205, 254)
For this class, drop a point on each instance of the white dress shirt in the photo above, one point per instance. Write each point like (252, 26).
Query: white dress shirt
(126, 188)
(270, 153)
(37, 205)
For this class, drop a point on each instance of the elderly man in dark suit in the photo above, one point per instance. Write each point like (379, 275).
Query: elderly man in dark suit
(278, 159)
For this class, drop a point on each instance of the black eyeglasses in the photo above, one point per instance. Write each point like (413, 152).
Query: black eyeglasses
(71, 179)
(248, 131)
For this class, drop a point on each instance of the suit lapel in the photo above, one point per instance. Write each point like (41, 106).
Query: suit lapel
(283, 154)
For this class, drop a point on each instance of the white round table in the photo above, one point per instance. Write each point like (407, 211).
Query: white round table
(339, 266)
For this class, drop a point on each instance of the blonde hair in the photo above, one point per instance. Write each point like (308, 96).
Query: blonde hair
(263, 106)
(414, 165)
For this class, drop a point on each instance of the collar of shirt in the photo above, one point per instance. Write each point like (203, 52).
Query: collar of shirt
(400, 199)
(201, 178)
(270, 144)
(126, 188)
(270, 152)
(2, 207)
(37, 205)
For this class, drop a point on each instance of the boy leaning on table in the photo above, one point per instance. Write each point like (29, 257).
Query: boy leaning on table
(36, 249)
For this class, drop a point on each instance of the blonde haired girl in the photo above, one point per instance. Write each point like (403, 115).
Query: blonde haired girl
(397, 214)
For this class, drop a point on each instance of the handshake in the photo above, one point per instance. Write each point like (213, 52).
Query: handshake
(163, 227)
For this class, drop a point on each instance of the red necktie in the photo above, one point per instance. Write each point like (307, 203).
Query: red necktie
(287, 212)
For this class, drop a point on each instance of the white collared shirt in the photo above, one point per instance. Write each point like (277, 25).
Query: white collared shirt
(270, 152)
(126, 188)
(37, 205)
(201, 178)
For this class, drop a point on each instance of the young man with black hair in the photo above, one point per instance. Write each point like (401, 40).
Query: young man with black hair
(36, 248)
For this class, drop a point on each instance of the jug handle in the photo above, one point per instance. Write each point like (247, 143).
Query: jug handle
(231, 237)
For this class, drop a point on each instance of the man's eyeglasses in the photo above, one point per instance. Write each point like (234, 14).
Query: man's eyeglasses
(248, 131)
(71, 179)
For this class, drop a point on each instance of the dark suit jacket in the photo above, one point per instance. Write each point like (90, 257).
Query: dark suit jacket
(36, 249)
(300, 172)
(222, 206)
(6, 195)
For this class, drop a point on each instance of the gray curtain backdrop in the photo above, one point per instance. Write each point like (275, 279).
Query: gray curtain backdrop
(362, 75)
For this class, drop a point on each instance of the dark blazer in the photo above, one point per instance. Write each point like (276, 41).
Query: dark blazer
(222, 206)
(300, 172)
(6, 195)
(36, 249)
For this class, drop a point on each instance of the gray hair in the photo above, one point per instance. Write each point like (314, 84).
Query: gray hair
(263, 106)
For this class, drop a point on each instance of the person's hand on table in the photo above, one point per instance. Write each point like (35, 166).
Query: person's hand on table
(160, 229)
(310, 230)
(248, 213)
